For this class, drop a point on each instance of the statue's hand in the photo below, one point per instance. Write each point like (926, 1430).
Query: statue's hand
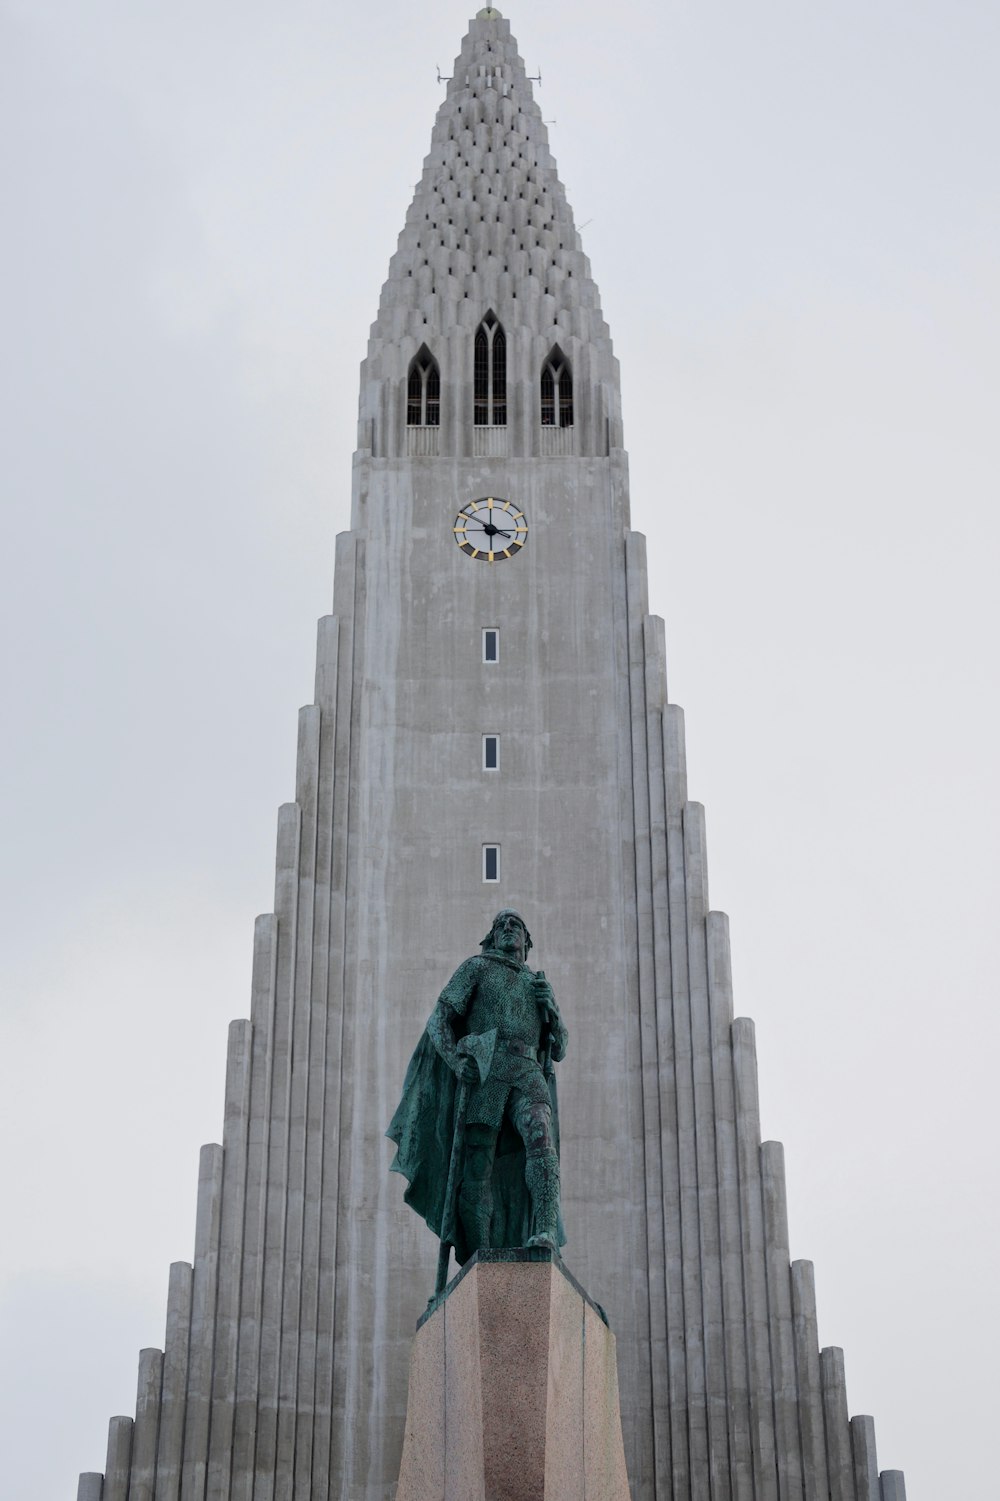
(467, 1071)
(544, 996)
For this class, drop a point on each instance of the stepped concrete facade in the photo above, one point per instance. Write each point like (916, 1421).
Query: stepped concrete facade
(283, 1376)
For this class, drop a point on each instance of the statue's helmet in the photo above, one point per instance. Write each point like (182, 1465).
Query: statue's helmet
(487, 942)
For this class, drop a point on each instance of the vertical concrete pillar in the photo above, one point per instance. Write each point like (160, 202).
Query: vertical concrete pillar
(720, 992)
(248, 1346)
(203, 1296)
(317, 1309)
(227, 1312)
(866, 1481)
(779, 1298)
(89, 1486)
(839, 1459)
(709, 1251)
(307, 798)
(285, 906)
(119, 1461)
(331, 1376)
(754, 1272)
(312, 1412)
(810, 1391)
(176, 1346)
(653, 795)
(660, 1196)
(893, 1485)
(147, 1425)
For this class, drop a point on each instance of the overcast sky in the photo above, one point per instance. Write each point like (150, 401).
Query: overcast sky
(792, 214)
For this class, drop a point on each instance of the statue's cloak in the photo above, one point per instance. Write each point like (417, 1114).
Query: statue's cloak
(423, 1129)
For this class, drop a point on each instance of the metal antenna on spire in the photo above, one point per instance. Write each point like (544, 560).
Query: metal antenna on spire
(442, 77)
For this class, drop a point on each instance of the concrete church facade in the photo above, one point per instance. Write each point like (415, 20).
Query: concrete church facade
(488, 732)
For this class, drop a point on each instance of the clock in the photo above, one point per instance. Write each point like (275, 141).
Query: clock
(490, 529)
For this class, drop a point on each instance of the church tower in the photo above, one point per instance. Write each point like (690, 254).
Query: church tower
(490, 728)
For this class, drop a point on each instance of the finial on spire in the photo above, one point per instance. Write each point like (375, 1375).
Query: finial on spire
(488, 13)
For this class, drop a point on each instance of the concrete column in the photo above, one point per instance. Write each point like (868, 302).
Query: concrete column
(315, 1121)
(317, 1303)
(686, 1333)
(754, 1273)
(814, 1471)
(709, 1251)
(227, 1314)
(306, 797)
(779, 1298)
(659, 1197)
(327, 663)
(668, 1440)
(892, 1483)
(248, 1347)
(119, 1461)
(329, 1446)
(866, 1481)
(720, 993)
(90, 1486)
(285, 907)
(840, 1461)
(147, 1425)
(175, 1369)
(203, 1295)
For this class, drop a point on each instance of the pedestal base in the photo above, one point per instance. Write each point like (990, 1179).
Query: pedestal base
(513, 1390)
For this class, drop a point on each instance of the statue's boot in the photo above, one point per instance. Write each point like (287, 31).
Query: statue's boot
(541, 1174)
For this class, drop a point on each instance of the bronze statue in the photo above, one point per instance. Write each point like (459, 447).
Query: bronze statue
(477, 1129)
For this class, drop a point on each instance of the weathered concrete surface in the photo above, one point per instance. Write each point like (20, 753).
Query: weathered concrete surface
(513, 1392)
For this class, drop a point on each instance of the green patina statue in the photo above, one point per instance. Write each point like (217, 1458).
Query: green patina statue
(477, 1129)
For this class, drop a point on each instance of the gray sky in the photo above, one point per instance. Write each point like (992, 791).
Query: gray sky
(792, 214)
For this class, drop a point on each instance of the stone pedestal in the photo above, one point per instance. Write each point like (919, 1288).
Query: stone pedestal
(513, 1390)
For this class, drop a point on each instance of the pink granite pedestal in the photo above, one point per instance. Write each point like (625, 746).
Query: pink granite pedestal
(513, 1390)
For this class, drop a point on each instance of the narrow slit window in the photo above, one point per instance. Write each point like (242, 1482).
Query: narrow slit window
(489, 374)
(423, 390)
(491, 862)
(491, 644)
(491, 752)
(557, 391)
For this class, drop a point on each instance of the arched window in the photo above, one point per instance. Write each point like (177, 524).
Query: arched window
(423, 390)
(489, 374)
(557, 391)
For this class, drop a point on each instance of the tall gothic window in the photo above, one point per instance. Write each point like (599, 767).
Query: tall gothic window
(489, 375)
(557, 391)
(423, 390)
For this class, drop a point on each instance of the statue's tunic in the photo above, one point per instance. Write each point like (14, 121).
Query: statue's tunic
(486, 994)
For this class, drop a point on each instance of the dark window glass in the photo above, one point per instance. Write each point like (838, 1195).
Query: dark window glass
(557, 391)
(423, 391)
(491, 646)
(548, 397)
(491, 752)
(489, 374)
(491, 862)
(499, 377)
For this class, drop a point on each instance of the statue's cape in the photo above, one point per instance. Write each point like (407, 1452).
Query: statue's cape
(423, 1129)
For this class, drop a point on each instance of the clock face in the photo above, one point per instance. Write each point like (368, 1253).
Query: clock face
(490, 530)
